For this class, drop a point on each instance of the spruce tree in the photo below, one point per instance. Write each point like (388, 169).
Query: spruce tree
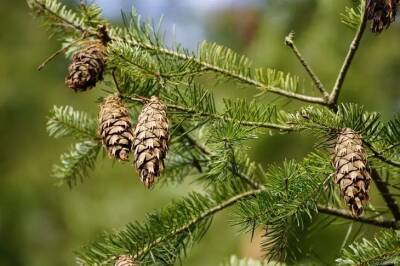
(157, 102)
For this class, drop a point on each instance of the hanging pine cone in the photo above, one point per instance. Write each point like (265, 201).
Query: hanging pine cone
(350, 162)
(382, 13)
(87, 67)
(125, 260)
(115, 128)
(151, 141)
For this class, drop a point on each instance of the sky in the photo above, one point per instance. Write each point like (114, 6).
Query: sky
(188, 17)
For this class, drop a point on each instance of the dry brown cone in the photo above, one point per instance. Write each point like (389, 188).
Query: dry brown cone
(125, 260)
(382, 13)
(115, 128)
(352, 172)
(87, 67)
(151, 141)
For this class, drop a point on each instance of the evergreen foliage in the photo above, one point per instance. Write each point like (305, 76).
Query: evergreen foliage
(384, 249)
(211, 144)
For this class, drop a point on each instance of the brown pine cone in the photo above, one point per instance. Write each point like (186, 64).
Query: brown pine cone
(352, 172)
(151, 141)
(87, 67)
(382, 13)
(125, 260)
(115, 128)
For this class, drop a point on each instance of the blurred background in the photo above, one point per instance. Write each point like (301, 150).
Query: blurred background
(41, 224)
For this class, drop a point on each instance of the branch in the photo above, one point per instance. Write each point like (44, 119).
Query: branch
(323, 209)
(219, 116)
(380, 156)
(65, 22)
(317, 82)
(348, 60)
(346, 215)
(219, 207)
(209, 67)
(203, 65)
(384, 191)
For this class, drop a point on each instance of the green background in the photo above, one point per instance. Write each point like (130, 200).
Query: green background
(41, 224)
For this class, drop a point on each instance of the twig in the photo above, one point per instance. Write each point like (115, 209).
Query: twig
(116, 82)
(289, 41)
(348, 60)
(70, 23)
(51, 57)
(380, 156)
(249, 81)
(384, 191)
(186, 110)
(229, 202)
(346, 215)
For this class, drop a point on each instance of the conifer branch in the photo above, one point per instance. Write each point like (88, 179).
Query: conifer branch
(380, 156)
(383, 250)
(348, 60)
(289, 41)
(322, 209)
(209, 67)
(194, 112)
(44, 6)
(347, 215)
(204, 66)
(223, 205)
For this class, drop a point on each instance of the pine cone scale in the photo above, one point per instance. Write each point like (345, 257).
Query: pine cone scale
(126, 260)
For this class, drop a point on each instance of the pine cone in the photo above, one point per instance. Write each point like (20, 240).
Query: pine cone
(87, 67)
(151, 141)
(125, 260)
(115, 128)
(350, 162)
(382, 13)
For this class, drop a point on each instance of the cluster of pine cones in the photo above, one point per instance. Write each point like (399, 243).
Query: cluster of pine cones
(148, 140)
(382, 13)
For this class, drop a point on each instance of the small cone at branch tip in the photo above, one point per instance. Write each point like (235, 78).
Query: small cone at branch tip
(151, 141)
(352, 172)
(115, 128)
(125, 260)
(382, 13)
(87, 67)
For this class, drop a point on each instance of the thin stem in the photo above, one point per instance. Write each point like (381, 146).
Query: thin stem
(209, 67)
(289, 41)
(51, 57)
(191, 111)
(346, 215)
(384, 191)
(229, 202)
(348, 60)
(380, 155)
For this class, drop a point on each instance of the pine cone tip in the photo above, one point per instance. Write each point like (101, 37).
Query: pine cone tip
(126, 260)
